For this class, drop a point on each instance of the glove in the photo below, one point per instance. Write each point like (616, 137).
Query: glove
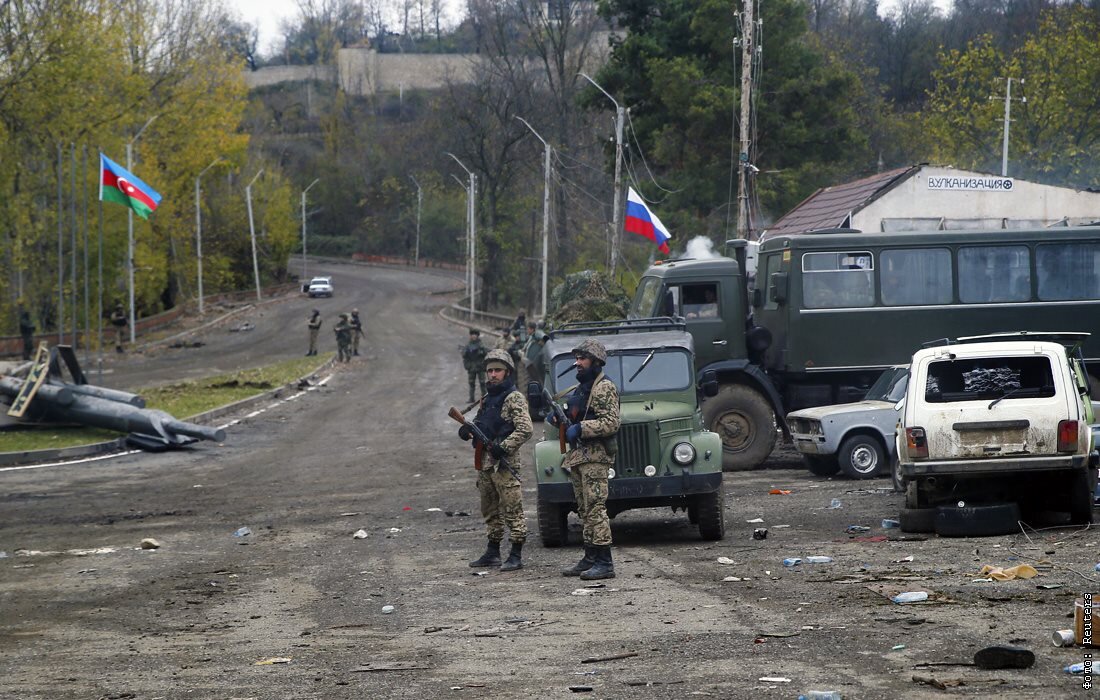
(465, 433)
(497, 451)
(573, 433)
(552, 420)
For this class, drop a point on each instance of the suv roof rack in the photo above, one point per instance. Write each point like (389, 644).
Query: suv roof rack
(633, 325)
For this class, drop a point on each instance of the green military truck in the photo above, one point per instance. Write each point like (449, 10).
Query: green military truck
(666, 457)
(830, 310)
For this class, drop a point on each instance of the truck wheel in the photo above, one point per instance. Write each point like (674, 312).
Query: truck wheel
(917, 520)
(712, 523)
(1081, 496)
(745, 422)
(821, 465)
(978, 521)
(553, 524)
(861, 456)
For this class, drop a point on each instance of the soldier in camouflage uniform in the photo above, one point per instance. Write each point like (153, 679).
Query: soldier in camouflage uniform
(342, 329)
(594, 409)
(356, 331)
(314, 324)
(504, 418)
(473, 359)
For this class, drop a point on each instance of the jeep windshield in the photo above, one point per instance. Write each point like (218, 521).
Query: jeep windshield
(989, 378)
(890, 386)
(665, 369)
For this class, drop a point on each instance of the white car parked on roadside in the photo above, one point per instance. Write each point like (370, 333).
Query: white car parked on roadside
(320, 287)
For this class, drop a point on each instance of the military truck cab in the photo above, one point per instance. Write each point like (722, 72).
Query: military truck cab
(666, 457)
(710, 296)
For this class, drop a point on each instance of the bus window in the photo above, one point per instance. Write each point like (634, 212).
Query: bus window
(1067, 271)
(994, 273)
(837, 280)
(916, 276)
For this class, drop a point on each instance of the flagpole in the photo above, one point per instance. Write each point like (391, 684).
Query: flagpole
(99, 291)
(130, 229)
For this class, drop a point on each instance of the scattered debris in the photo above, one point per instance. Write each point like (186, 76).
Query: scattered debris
(777, 635)
(774, 679)
(760, 533)
(614, 657)
(890, 523)
(647, 684)
(1019, 571)
(910, 597)
(897, 647)
(433, 510)
(150, 543)
(755, 520)
(243, 328)
(360, 535)
(243, 531)
(779, 492)
(581, 688)
(349, 514)
(956, 682)
(1064, 638)
(856, 529)
(725, 560)
(904, 559)
(394, 666)
(835, 503)
(792, 561)
(273, 660)
(1003, 656)
(387, 609)
(394, 530)
(1075, 668)
(817, 559)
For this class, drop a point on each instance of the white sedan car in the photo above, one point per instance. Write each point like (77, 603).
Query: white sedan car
(320, 287)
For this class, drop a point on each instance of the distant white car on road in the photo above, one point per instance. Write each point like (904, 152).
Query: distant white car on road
(320, 287)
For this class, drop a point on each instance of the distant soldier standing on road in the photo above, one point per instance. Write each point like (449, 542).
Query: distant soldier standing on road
(314, 324)
(356, 331)
(343, 332)
(594, 409)
(26, 330)
(504, 418)
(473, 359)
(119, 321)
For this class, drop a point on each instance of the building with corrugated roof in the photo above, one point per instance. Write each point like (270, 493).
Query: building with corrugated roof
(930, 198)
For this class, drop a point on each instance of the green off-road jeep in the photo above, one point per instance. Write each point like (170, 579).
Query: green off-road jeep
(665, 455)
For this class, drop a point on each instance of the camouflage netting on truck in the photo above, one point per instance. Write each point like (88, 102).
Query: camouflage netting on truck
(587, 296)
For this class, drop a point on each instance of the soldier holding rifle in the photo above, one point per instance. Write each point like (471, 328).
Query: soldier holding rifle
(502, 425)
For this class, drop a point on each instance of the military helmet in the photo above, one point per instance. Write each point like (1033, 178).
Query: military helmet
(500, 357)
(344, 316)
(316, 312)
(474, 331)
(592, 348)
(355, 312)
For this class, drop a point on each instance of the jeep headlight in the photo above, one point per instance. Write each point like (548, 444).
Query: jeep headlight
(683, 453)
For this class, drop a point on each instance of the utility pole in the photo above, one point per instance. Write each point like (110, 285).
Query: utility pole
(252, 233)
(545, 210)
(620, 115)
(419, 203)
(745, 126)
(304, 276)
(130, 229)
(471, 209)
(466, 189)
(198, 227)
(1007, 120)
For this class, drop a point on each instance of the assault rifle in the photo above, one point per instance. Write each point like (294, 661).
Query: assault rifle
(559, 415)
(481, 441)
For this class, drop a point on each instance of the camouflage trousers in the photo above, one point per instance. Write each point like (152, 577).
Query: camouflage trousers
(355, 342)
(502, 504)
(343, 351)
(313, 340)
(476, 375)
(590, 492)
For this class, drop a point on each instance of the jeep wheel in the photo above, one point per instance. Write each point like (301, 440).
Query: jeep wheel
(861, 456)
(978, 521)
(896, 477)
(917, 520)
(820, 465)
(1081, 496)
(745, 422)
(553, 523)
(712, 522)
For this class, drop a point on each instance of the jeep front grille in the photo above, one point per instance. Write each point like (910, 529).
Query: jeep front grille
(636, 449)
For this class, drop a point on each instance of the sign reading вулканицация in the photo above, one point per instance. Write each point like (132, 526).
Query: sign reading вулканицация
(970, 184)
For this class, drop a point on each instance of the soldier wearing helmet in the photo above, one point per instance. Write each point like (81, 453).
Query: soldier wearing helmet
(356, 331)
(343, 338)
(473, 359)
(504, 418)
(314, 324)
(593, 408)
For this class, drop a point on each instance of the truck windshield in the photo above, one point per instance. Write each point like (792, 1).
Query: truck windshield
(890, 386)
(645, 299)
(667, 370)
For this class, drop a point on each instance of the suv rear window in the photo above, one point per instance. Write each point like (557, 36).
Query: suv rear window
(989, 378)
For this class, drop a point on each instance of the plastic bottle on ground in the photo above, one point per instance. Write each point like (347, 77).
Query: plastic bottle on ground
(819, 560)
(910, 597)
(820, 695)
(792, 561)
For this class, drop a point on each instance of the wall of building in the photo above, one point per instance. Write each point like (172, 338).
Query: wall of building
(273, 75)
(916, 204)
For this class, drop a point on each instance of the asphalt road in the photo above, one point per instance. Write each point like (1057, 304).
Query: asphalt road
(86, 613)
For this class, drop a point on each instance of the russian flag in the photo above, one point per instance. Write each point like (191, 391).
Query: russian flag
(640, 220)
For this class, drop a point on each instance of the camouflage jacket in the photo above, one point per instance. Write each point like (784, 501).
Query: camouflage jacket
(473, 356)
(343, 332)
(314, 322)
(515, 412)
(598, 433)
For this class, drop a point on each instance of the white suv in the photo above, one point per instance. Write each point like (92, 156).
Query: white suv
(999, 421)
(320, 287)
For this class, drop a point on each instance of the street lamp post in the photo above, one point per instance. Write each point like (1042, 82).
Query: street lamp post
(252, 232)
(545, 210)
(467, 191)
(198, 226)
(419, 202)
(619, 116)
(130, 229)
(304, 276)
(471, 206)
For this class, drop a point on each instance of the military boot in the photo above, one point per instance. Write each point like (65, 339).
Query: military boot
(515, 558)
(584, 564)
(603, 568)
(490, 558)
(471, 394)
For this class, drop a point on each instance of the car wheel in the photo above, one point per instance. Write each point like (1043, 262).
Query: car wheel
(861, 456)
(978, 521)
(895, 476)
(553, 523)
(1081, 496)
(745, 421)
(821, 465)
(712, 522)
(917, 520)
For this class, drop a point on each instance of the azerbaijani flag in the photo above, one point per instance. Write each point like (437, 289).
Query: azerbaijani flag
(116, 184)
(640, 220)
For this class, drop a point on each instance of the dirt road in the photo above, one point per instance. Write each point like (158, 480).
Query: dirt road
(86, 613)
